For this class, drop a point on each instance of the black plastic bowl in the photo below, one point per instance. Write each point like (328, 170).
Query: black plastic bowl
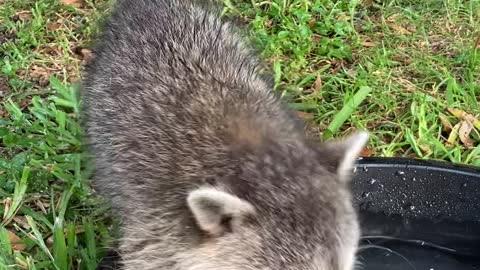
(418, 214)
(414, 214)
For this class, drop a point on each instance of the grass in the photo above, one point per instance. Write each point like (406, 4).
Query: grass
(408, 71)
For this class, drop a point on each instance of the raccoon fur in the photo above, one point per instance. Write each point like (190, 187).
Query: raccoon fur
(205, 165)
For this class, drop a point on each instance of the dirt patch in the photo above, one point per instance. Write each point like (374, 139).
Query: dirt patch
(4, 37)
(4, 88)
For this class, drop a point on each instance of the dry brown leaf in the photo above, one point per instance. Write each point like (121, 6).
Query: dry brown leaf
(24, 15)
(48, 50)
(7, 202)
(465, 116)
(53, 26)
(71, 2)
(368, 44)
(268, 23)
(366, 152)
(312, 22)
(22, 221)
(412, 155)
(446, 125)
(305, 115)
(453, 136)
(392, 18)
(464, 133)
(22, 263)
(15, 241)
(425, 148)
(317, 85)
(4, 114)
(402, 58)
(400, 29)
(41, 75)
(358, 26)
(40, 206)
(367, 3)
(84, 54)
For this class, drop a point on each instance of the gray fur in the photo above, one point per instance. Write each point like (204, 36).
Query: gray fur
(175, 102)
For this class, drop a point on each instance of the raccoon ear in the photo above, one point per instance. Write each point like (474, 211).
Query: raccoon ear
(215, 211)
(342, 154)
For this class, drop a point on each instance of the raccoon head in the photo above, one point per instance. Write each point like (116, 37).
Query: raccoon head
(306, 222)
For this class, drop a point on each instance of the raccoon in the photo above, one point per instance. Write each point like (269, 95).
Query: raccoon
(206, 166)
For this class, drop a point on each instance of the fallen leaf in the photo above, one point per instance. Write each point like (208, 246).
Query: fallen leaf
(412, 155)
(358, 26)
(368, 44)
(22, 221)
(402, 58)
(4, 114)
(464, 133)
(22, 263)
(453, 136)
(25, 103)
(399, 29)
(48, 50)
(312, 22)
(268, 23)
(71, 2)
(53, 26)
(465, 116)
(392, 18)
(84, 54)
(352, 72)
(317, 85)
(305, 115)
(367, 3)
(24, 15)
(366, 152)
(40, 75)
(15, 241)
(40, 205)
(425, 148)
(446, 125)
(7, 202)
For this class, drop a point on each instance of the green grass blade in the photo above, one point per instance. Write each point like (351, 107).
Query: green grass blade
(37, 216)
(38, 239)
(60, 252)
(71, 243)
(349, 108)
(19, 193)
(90, 240)
(5, 245)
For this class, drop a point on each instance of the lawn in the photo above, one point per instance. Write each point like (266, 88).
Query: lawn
(408, 71)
